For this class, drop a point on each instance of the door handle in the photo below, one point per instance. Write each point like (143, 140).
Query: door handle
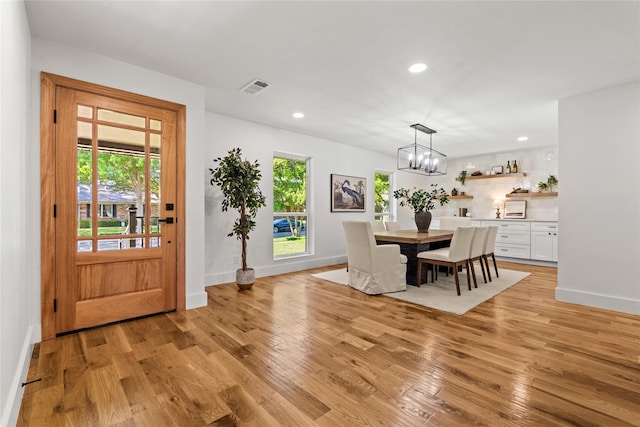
(168, 220)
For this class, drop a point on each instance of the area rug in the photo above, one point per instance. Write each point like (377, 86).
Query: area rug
(442, 295)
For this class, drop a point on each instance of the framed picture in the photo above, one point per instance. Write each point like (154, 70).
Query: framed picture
(496, 170)
(347, 193)
(515, 209)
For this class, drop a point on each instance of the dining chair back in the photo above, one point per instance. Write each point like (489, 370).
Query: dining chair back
(392, 225)
(454, 256)
(377, 226)
(489, 248)
(373, 269)
(475, 252)
(453, 222)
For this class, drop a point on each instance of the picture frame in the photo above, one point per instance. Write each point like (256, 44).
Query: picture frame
(497, 170)
(348, 193)
(515, 209)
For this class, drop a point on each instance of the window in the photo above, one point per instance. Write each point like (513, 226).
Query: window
(382, 211)
(107, 210)
(290, 194)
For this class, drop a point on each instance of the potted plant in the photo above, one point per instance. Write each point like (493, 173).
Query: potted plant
(462, 177)
(238, 180)
(421, 201)
(549, 185)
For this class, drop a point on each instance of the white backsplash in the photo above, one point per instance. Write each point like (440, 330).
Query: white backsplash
(537, 164)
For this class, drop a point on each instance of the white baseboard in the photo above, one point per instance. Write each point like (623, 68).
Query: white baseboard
(283, 266)
(196, 300)
(528, 261)
(11, 407)
(606, 302)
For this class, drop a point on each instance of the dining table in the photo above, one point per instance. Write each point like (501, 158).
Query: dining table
(411, 243)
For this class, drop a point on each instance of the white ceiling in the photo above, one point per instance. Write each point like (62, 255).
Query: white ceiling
(496, 69)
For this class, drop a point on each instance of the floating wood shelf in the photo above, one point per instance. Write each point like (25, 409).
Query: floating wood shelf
(465, 197)
(539, 194)
(502, 175)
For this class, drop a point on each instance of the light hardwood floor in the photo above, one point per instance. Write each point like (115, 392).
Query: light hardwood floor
(300, 351)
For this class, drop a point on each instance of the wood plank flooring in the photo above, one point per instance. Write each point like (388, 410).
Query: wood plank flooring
(300, 351)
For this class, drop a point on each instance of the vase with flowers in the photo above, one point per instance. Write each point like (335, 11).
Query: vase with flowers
(422, 201)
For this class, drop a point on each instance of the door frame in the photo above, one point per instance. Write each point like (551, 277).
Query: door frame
(48, 84)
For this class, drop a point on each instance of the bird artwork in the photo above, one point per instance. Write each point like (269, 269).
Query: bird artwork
(348, 196)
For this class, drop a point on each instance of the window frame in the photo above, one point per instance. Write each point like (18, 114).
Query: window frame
(304, 216)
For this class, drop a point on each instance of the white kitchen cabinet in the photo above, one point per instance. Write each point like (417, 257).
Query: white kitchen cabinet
(544, 241)
(513, 239)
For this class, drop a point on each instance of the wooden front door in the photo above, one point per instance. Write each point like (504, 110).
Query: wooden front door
(116, 210)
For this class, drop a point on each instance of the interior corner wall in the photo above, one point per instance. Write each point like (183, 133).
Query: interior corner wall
(69, 62)
(599, 252)
(15, 167)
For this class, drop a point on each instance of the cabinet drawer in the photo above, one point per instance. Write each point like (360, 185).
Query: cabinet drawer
(509, 225)
(515, 237)
(544, 226)
(512, 251)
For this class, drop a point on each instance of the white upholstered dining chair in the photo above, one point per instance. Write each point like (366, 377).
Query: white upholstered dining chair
(489, 249)
(453, 222)
(454, 256)
(373, 269)
(377, 226)
(392, 225)
(475, 252)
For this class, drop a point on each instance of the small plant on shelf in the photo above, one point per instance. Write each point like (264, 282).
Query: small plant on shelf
(462, 176)
(551, 182)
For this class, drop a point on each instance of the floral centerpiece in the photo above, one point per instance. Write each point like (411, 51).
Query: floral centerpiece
(422, 201)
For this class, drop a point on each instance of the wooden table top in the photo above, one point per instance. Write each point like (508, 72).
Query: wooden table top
(412, 236)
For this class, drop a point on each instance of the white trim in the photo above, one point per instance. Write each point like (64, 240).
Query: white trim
(196, 300)
(14, 399)
(606, 302)
(272, 270)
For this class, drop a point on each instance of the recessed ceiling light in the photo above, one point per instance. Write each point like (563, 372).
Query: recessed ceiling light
(417, 68)
(523, 138)
(298, 115)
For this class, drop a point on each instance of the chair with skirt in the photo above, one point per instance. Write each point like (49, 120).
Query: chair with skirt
(373, 269)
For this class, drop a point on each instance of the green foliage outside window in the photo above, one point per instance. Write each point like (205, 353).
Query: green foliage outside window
(381, 193)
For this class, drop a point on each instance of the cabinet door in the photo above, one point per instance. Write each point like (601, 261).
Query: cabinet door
(542, 245)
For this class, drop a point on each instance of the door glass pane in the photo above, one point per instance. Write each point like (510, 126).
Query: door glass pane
(85, 172)
(85, 111)
(155, 124)
(121, 119)
(85, 245)
(155, 142)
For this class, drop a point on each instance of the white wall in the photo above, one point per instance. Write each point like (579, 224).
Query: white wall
(599, 248)
(536, 163)
(325, 234)
(16, 306)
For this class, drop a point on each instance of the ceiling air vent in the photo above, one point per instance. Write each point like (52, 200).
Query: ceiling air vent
(255, 87)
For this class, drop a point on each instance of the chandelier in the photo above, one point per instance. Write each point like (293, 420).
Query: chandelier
(417, 158)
